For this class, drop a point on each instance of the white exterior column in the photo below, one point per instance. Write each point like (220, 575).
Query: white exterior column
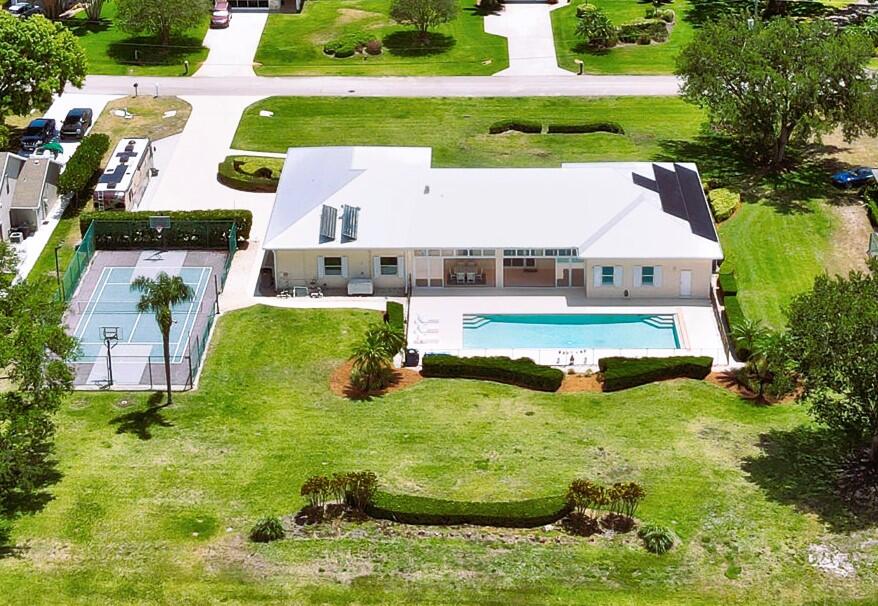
(498, 269)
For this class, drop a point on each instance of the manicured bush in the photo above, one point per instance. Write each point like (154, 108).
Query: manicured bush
(395, 315)
(624, 498)
(584, 495)
(667, 15)
(523, 372)
(728, 283)
(653, 30)
(267, 530)
(360, 489)
(82, 167)
(656, 539)
(587, 127)
(623, 373)
(872, 208)
(348, 44)
(521, 126)
(581, 524)
(723, 203)
(317, 490)
(410, 509)
(249, 173)
(242, 218)
(735, 317)
(594, 27)
(373, 47)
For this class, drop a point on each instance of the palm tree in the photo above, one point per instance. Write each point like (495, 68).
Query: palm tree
(373, 356)
(748, 334)
(159, 295)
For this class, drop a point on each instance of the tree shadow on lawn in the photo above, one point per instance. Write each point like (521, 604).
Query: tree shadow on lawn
(405, 43)
(27, 502)
(703, 11)
(82, 27)
(151, 52)
(800, 467)
(789, 191)
(141, 422)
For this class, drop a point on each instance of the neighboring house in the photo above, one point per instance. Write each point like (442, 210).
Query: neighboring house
(274, 5)
(28, 189)
(638, 230)
(124, 181)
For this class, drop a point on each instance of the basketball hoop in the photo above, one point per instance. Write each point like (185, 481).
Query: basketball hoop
(159, 223)
(111, 336)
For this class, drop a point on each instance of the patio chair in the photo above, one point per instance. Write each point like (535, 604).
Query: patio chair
(470, 277)
(460, 277)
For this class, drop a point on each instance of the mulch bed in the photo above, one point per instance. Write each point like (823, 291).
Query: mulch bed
(340, 382)
(581, 384)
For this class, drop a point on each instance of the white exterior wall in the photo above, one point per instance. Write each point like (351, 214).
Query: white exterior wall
(297, 268)
(702, 271)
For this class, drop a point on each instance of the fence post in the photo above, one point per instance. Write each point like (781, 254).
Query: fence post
(216, 293)
(149, 365)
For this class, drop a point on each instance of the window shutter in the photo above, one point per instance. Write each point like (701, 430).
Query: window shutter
(344, 267)
(321, 269)
(376, 267)
(657, 276)
(597, 276)
(617, 276)
(400, 267)
(638, 276)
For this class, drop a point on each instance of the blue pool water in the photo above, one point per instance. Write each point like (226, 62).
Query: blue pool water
(589, 331)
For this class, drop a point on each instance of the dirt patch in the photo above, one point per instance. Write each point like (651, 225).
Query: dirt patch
(580, 384)
(727, 380)
(850, 239)
(48, 554)
(340, 382)
(234, 553)
(352, 15)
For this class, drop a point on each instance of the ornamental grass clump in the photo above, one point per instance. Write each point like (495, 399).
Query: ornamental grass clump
(656, 539)
(266, 530)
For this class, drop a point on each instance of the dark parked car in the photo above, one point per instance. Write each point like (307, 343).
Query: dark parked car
(221, 16)
(39, 131)
(857, 177)
(25, 9)
(77, 122)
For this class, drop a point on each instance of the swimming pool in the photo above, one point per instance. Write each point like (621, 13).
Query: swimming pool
(551, 331)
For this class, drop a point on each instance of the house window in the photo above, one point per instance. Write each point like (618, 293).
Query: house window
(608, 275)
(647, 276)
(389, 266)
(332, 266)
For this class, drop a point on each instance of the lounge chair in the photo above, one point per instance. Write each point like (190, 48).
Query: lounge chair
(423, 320)
(427, 330)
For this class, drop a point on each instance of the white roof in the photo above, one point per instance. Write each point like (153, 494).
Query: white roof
(122, 165)
(405, 203)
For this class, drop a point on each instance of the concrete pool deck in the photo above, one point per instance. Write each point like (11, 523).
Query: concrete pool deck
(436, 323)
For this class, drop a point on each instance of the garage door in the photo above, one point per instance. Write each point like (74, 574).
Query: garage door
(248, 3)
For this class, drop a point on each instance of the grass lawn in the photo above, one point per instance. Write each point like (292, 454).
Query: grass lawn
(111, 51)
(148, 121)
(625, 58)
(293, 44)
(152, 505)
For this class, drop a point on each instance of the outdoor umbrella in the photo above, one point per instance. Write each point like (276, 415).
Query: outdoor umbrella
(53, 147)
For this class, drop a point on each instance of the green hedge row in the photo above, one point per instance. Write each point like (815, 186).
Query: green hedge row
(409, 509)
(523, 372)
(231, 174)
(735, 317)
(728, 283)
(623, 373)
(643, 31)
(723, 203)
(521, 126)
(242, 218)
(395, 315)
(872, 208)
(84, 164)
(587, 127)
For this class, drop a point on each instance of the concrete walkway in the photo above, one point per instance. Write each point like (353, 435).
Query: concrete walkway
(528, 28)
(232, 49)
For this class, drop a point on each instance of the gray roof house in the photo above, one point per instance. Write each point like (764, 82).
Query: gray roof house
(28, 189)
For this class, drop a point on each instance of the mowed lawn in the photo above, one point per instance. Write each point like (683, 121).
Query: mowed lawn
(293, 44)
(111, 51)
(778, 246)
(655, 58)
(153, 505)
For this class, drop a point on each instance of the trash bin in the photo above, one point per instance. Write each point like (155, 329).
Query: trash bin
(412, 358)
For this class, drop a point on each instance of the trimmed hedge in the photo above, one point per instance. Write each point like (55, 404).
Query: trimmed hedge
(723, 203)
(735, 317)
(348, 44)
(872, 208)
(522, 372)
(395, 315)
(83, 165)
(520, 126)
(587, 127)
(623, 373)
(242, 218)
(231, 173)
(642, 32)
(409, 509)
(728, 283)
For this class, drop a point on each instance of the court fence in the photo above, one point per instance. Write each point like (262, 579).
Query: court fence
(129, 234)
(82, 256)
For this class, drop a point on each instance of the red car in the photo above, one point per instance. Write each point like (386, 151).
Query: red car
(221, 15)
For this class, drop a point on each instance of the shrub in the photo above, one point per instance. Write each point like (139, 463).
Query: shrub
(581, 524)
(243, 218)
(373, 47)
(723, 203)
(267, 530)
(667, 15)
(84, 164)
(348, 44)
(735, 317)
(395, 315)
(644, 39)
(872, 207)
(584, 495)
(727, 282)
(624, 498)
(316, 490)
(410, 509)
(360, 489)
(595, 27)
(623, 373)
(653, 30)
(587, 127)
(521, 126)
(656, 539)
(523, 372)
(249, 173)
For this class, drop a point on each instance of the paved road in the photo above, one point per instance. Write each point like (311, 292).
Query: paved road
(451, 86)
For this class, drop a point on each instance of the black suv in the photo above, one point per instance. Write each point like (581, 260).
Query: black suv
(77, 122)
(39, 131)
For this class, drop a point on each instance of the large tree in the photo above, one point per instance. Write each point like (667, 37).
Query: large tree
(423, 14)
(780, 82)
(35, 352)
(38, 59)
(161, 18)
(833, 343)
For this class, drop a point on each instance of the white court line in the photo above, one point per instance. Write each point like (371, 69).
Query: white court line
(189, 312)
(92, 303)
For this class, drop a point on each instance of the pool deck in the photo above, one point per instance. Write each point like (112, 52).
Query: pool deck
(436, 322)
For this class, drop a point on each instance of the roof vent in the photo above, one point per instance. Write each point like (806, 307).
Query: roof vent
(426, 189)
(350, 221)
(328, 221)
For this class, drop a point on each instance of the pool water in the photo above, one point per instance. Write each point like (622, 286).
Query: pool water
(591, 331)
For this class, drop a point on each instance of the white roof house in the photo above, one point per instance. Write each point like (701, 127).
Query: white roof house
(630, 210)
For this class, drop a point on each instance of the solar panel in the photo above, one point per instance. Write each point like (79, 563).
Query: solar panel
(350, 220)
(670, 193)
(115, 176)
(696, 203)
(328, 221)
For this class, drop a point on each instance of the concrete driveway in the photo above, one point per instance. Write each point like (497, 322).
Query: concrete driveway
(232, 49)
(528, 28)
